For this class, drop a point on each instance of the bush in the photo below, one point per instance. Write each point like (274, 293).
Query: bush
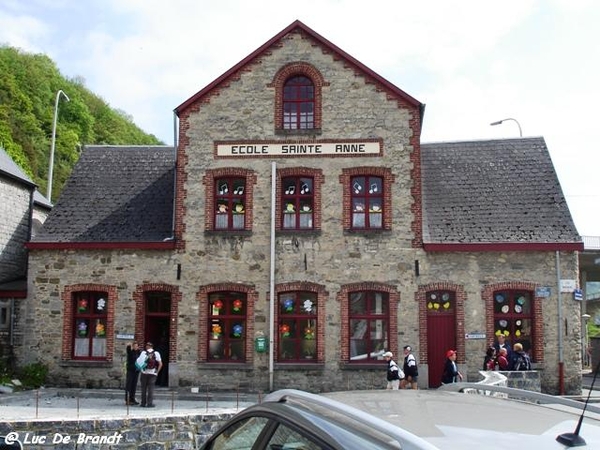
(33, 375)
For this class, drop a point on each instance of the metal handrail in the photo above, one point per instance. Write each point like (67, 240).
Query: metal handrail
(406, 439)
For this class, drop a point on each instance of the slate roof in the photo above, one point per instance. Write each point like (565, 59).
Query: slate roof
(9, 168)
(115, 194)
(493, 191)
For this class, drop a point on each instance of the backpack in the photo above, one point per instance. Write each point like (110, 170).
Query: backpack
(151, 362)
(522, 363)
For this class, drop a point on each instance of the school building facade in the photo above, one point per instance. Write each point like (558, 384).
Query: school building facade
(298, 229)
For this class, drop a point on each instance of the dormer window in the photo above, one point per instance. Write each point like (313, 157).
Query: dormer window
(298, 104)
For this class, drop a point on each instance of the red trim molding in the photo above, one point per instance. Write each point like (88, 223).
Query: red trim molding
(169, 245)
(504, 246)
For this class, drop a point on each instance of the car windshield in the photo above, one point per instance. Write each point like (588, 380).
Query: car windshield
(349, 432)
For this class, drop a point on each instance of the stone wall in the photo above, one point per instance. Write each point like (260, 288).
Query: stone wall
(15, 201)
(157, 433)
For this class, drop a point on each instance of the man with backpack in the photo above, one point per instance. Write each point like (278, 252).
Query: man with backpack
(150, 364)
(394, 373)
(520, 360)
(411, 372)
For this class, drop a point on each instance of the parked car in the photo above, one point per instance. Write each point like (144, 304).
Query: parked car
(290, 419)
(407, 419)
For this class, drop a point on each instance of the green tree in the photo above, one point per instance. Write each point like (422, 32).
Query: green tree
(28, 87)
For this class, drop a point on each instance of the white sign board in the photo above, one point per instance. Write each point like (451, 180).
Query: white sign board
(568, 285)
(314, 148)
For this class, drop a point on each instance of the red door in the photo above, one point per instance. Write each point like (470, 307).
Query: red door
(441, 332)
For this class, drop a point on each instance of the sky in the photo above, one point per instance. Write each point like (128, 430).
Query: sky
(471, 62)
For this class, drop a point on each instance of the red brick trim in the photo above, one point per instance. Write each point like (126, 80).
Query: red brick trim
(322, 296)
(202, 299)
(67, 299)
(297, 69)
(388, 179)
(421, 299)
(342, 299)
(209, 185)
(140, 313)
(318, 180)
(537, 331)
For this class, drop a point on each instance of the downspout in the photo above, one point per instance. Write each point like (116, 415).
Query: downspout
(172, 237)
(272, 277)
(175, 136)
(561, 366)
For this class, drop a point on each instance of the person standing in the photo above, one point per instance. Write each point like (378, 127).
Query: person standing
(132, 373)
(519, 360)
(153, 364)
(502, 342)
(489, 362)
(451, 373)
(411, 372)
(502, 358)
(393, 372)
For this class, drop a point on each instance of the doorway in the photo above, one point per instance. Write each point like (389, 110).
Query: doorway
(157, 329)
(441, 331)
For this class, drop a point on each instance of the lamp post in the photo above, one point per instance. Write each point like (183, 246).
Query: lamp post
(585, 318)
(51, 163)
(498, 122)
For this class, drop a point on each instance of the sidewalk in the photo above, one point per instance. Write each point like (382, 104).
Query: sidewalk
(76, 404)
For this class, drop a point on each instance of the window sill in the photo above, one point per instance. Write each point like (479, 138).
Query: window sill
(362, 366)
(311, 132)
(312, 365)
(367, 232)
(83, 363)
(228, 232)
(225, 365)
(304, 232)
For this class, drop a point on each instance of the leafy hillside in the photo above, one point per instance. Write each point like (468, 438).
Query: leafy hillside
(28, 87)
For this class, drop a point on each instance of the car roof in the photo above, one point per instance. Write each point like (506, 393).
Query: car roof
(451, 420)
(324, 416)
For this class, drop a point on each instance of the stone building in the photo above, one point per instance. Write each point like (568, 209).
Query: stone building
(22, 211)
(299, 207)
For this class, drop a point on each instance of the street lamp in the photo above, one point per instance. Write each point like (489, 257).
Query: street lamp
(514, 120)
(51, 164)
(585, 318)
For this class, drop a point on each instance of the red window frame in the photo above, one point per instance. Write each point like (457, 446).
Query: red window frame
(227, 325)
(298, 103)
(230, 204)
(298, 203)
(297, 326)
(369, 325)
(514, 317)
(90, 322)
(366, 202)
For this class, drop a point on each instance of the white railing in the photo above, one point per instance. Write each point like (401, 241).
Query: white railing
(591, 242)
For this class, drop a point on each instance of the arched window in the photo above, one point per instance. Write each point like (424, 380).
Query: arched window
(298, 104)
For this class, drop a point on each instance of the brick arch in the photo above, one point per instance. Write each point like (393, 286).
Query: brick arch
(322, 296)
(202, 301)
(420, 298)
(209, 184)
(293, 69)
(318, 180)
(388, 179)
(538, 320)
(140, 312)
(67, 298)
(342, 298)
